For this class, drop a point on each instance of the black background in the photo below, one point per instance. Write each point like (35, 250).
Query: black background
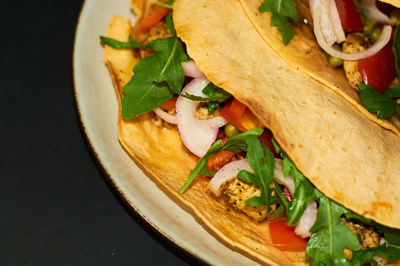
(56, 206)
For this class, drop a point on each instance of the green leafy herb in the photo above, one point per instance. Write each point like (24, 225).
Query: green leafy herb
(330, 235)
(281, 10)
(236, 143)
(362, 257)
(396, 49)
(157, 78)
(167, 4)
(217, 96)
(262, 162)
(120, 45)
(381, 104)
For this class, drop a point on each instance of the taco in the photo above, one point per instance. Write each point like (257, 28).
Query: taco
(349, 159)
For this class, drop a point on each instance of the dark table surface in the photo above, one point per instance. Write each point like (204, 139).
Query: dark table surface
(56, 206)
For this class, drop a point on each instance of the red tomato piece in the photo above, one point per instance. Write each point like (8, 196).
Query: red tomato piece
(220, 159)
(349, 16)
(240, 116)
(153, 16)
(169, 105)
(284, 238)
(379, 70)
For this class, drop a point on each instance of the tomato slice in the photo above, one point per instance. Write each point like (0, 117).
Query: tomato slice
(169, 105)
(284, 238)
(379, 70)
(148, 52)
(240, 116)
(218, 161)
(153, 16)
(349, 16)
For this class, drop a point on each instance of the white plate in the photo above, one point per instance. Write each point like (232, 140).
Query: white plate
(97, 104)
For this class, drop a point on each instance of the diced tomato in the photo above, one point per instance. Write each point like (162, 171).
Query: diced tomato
(349, 16)
(169, 105)
(240, 116)
(220, 159)
(284, 238)
(153, 16)
(148, 52)
(265, 139)
(379, 70)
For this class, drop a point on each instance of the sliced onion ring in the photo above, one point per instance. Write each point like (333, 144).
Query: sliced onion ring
(370, 10)
(327, 28)
(191, 70)
(377, 46)
(307, 220)
(165, 116)
(197, 135)
(287, 181)
(336, 23)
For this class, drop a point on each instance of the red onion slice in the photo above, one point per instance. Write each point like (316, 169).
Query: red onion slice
(336, 23)
(165, 116)
(377, 46)
(307, 220)
(197, 135)
(191, 70)
(370, 10)
(227, 173)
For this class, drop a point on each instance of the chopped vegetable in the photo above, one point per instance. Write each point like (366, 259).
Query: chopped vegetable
(120, 45)
(284, 238)
(230, 130)
(349, 16)
(378, 70)
(156, 78)
(169, 105)
(153, 16)
(281, 11)
(240, 116)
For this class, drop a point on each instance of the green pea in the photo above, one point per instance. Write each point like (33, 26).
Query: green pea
(231, 130)
(369, 26)
(375, 34)
(395, 16)
(335, 62)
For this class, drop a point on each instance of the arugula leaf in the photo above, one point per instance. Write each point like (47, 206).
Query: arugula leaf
(361, 257)
(304, 190)
(120, 45)
(236, 143)
(262, 162)
(330, 235)
(396, 49)
(167, 4)
(156, 78)
(381, 104)
(281, 10)
(217, 96)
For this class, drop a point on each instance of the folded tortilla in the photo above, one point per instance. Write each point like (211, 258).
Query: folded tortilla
(343, 152)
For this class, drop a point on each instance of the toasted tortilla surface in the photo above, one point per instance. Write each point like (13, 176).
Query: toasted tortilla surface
(341, 150)
(157, 147)
(304, 54)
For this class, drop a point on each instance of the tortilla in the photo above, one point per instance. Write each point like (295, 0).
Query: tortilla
(307, 119)
(304, 54)
(157, 147)
(342, 151)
